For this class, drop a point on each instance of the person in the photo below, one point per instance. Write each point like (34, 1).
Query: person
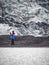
(12, 37)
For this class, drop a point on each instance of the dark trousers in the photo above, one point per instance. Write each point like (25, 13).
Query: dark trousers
(12, 41)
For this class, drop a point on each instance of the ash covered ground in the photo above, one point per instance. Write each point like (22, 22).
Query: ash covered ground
(24, 56)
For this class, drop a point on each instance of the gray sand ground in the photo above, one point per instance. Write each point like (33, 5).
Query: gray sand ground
(24, 41)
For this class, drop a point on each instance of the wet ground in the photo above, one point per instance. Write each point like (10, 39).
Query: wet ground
(24, 41)
(24, 56)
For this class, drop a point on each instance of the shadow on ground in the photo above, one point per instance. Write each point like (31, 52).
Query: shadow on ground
(24, 41)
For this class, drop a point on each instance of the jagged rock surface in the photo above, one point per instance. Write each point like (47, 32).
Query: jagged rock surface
(25, 18)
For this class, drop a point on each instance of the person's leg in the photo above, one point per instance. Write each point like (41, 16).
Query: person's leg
(12, 41)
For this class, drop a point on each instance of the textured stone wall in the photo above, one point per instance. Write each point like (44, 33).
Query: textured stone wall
(44, 3)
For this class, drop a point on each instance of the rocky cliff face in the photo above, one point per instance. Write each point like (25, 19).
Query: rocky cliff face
(25, 18)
